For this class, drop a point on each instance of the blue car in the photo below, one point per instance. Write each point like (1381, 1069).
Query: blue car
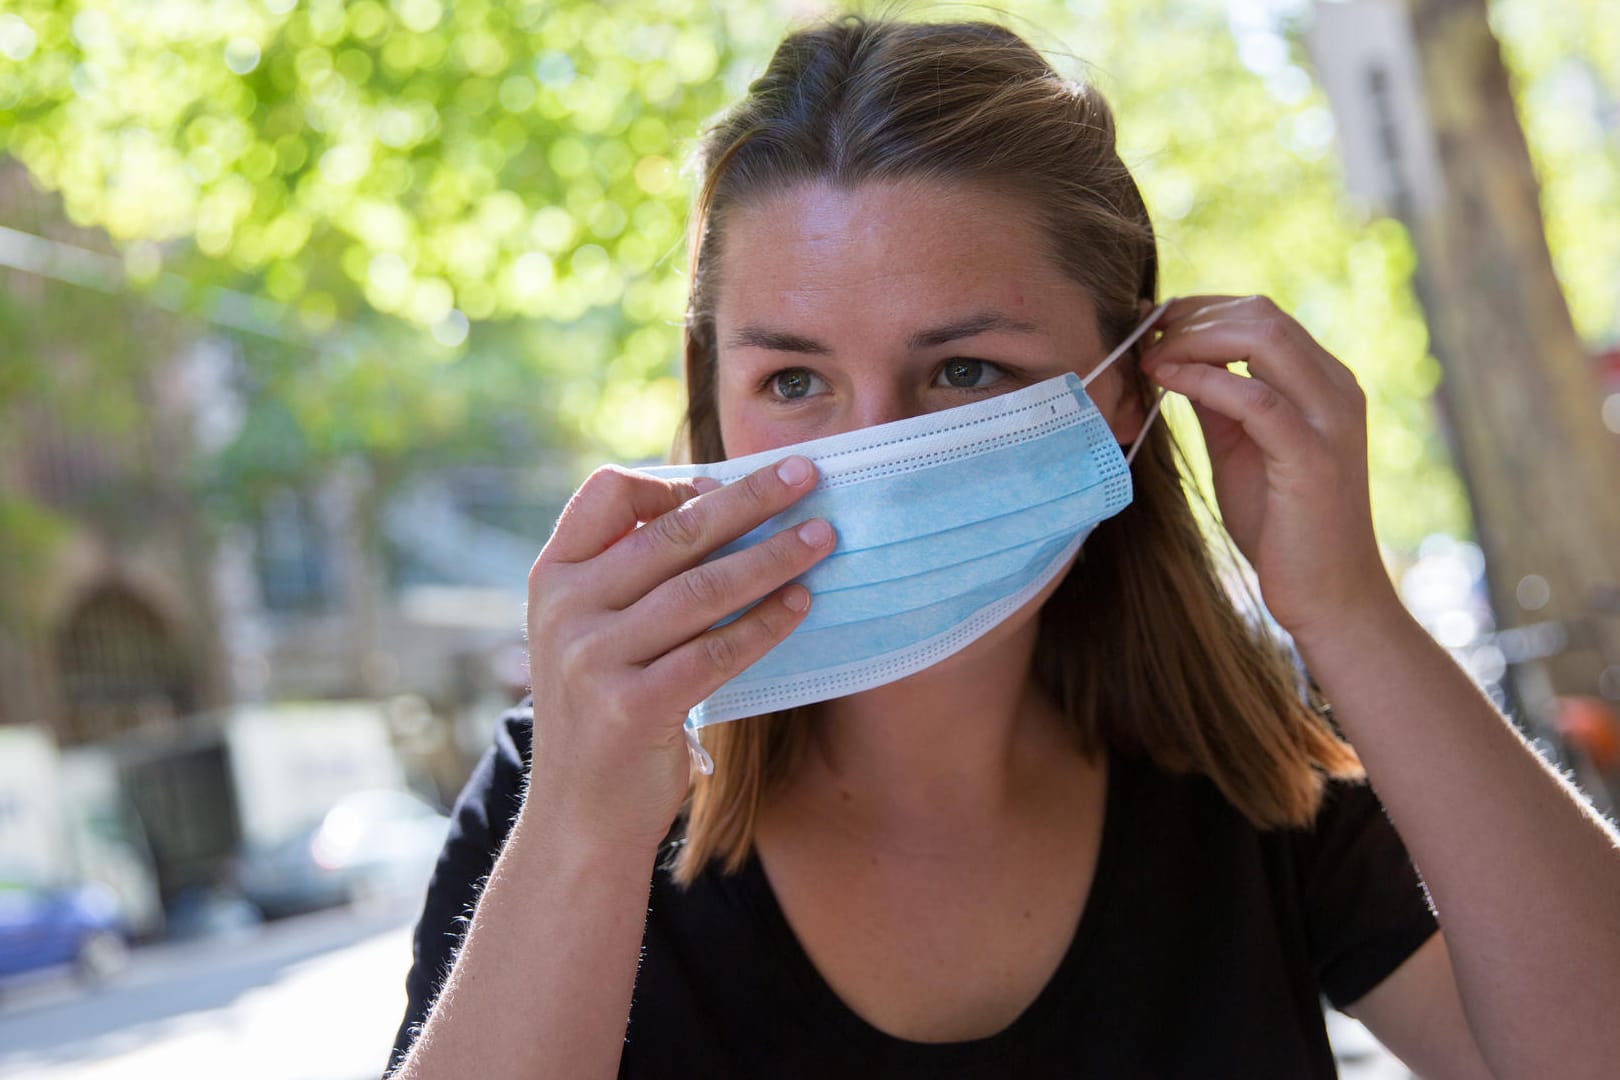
(43, 928)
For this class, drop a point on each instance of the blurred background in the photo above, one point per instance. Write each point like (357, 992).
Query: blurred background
(313, 313)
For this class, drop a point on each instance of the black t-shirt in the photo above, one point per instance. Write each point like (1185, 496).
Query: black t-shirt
(1203, 949)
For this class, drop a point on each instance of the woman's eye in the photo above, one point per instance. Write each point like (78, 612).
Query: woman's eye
(969, 374)
(796, 383)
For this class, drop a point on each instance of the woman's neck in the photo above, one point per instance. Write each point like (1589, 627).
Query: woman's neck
(953, 749)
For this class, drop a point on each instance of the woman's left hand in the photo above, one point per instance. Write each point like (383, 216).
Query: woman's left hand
(1287, 448)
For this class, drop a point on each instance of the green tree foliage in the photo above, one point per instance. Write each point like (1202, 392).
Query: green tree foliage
(367, 169)
(461, 224)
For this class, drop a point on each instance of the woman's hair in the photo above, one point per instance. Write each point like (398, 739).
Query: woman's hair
(1140, 647)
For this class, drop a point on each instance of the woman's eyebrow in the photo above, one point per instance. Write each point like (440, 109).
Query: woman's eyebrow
(759, 337)
(982, 322)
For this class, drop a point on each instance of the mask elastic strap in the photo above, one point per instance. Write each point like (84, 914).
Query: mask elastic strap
(701, 761)
(1152, 415)
(1119, 351)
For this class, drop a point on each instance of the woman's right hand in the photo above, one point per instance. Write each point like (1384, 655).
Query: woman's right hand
(621, 607)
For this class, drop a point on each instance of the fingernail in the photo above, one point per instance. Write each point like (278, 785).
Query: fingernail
(796, 598)
(1166, 371)
(706, 484)
(794, 471)
(815, 533)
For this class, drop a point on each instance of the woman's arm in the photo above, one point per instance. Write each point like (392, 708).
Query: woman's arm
(542, 984)
(1525, 877)
(622, 643)
(480, 821)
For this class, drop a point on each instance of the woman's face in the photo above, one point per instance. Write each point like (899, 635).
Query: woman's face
(839, 309)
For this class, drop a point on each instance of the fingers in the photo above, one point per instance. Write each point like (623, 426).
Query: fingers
(1275, 333)
(1264, 346)
(611, 503)
(689, 603)
(588, 645)
(1189, 309)
(1207, 330)
(610, 714)
(1275, 424)
(683, 535)
(698, 668)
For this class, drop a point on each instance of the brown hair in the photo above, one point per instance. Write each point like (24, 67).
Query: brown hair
(1140, 647)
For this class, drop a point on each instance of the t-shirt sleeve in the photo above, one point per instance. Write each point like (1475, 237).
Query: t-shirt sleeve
(479, 823)
(1365, 906)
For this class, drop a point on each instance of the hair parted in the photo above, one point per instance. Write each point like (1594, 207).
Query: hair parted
(1140, 647)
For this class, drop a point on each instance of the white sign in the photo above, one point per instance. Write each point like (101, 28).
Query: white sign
(1366, 60)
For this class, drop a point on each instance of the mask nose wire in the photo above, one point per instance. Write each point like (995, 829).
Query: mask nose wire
(1119, 350)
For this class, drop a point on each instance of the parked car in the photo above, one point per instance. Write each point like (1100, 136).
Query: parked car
(78, 927)
(377, 845)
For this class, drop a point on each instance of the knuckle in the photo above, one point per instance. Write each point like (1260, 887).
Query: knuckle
(721, 654)
(702, 586)
(548, 584)
(1265, 399)
(758, 486)
(681, 491)
(618, 700)
(577, 655)
(607, 483)
(1276, 332)
(605, 480)
(681, 527)
(785, 552)
(772, 623)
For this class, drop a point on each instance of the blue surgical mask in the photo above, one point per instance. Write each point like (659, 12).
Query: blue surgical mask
(947, 523)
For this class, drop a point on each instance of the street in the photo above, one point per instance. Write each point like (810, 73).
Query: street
(311, 998)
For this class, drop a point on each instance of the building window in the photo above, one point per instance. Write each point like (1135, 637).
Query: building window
(292, 561)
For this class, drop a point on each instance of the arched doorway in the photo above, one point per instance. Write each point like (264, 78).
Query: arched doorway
(119, 668)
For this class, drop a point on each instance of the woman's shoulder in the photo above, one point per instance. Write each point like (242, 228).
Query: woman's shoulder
(1140, 775)
(1167, 806)
(1349, 849)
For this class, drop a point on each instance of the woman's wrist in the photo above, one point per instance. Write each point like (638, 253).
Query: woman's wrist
(574, 834)
(1355, 634)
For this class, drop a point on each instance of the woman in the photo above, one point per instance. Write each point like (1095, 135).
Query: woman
(1106, 837)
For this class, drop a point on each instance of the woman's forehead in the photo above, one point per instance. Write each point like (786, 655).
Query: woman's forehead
(923, 250)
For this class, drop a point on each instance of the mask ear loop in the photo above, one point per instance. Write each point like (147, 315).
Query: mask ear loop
(1120, 350)
(1152, 415)
(701, 761)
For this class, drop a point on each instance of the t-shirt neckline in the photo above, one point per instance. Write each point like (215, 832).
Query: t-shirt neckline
(1038, 1015)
